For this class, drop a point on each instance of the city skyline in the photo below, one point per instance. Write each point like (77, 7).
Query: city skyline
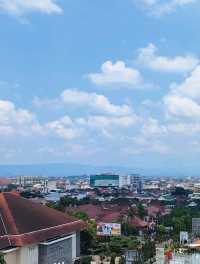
(101, 83)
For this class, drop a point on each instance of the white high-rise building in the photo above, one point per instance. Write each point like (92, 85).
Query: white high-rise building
(124, 181)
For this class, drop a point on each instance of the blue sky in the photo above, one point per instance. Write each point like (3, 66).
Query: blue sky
(100, 82)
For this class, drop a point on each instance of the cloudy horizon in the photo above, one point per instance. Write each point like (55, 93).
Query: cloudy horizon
(100, 83)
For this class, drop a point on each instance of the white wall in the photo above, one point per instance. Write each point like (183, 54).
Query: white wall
(73, 246)
(11, 257)
(28, 255)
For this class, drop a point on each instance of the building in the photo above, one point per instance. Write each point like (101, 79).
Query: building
(104, 180)
(137, 183)
(28, 182)
(196, 226)
(31, 233)
(51, 185)
(124, 181)
(132, 256)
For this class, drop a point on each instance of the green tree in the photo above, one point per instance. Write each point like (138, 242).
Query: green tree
(112, 261)
(88, 238)
(141, 211)
(161, 232)
(148, 250)
(128, 230)
(87, 241)
(81, 215)
(2, 260)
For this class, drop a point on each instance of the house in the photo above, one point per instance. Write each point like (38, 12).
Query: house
(31, 233)
(138, 223)
(105, 212)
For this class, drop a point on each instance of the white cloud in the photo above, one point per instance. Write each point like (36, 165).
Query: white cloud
(117, 74)
(180, 64)
(21, 7)
(109, 122)
(15, 121)
(164, 7)
(64, 128)
(152, 128)
(183, 99)
(184, 107)
(188, 129)
(190, 87)
(142, 145)
(94, 102)
(109, 126)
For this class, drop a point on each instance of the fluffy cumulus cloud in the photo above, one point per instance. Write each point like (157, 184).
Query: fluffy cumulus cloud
(190, 87)
(91, 119)
(179, 64)
(92, 123)
(95, 102)
(22, 7)
(95, 113)
(178, 106)
(15, 121)
(183, 100)
(64, 128)
(116, 74)
(163, 7)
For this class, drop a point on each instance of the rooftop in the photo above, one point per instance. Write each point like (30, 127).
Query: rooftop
(24, 222)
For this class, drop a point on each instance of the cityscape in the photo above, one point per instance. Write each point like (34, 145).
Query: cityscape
(108, 218)
(99, 132)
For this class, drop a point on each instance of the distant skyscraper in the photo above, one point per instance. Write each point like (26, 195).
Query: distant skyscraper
(136, 183)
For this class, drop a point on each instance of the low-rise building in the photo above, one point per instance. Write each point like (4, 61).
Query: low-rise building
(31, 233)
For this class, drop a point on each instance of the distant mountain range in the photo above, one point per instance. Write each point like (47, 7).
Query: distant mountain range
(62, 169)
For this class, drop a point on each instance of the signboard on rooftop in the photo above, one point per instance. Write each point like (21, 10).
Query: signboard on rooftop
(108, 229)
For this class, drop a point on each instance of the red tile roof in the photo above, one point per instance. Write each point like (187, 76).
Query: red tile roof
(138, 223)
(101, 213)
(111, 217)
(155, 210)
(24, 222)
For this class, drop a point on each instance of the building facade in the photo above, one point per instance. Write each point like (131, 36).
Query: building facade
(34, 234)
(104, 180)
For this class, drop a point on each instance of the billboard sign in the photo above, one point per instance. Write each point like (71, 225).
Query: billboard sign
(108, 229)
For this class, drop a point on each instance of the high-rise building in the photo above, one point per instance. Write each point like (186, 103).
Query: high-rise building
(136, 183)
(124, 181)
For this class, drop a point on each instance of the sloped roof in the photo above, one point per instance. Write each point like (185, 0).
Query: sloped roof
(24, 222)
(138, 223)
(101, 213)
